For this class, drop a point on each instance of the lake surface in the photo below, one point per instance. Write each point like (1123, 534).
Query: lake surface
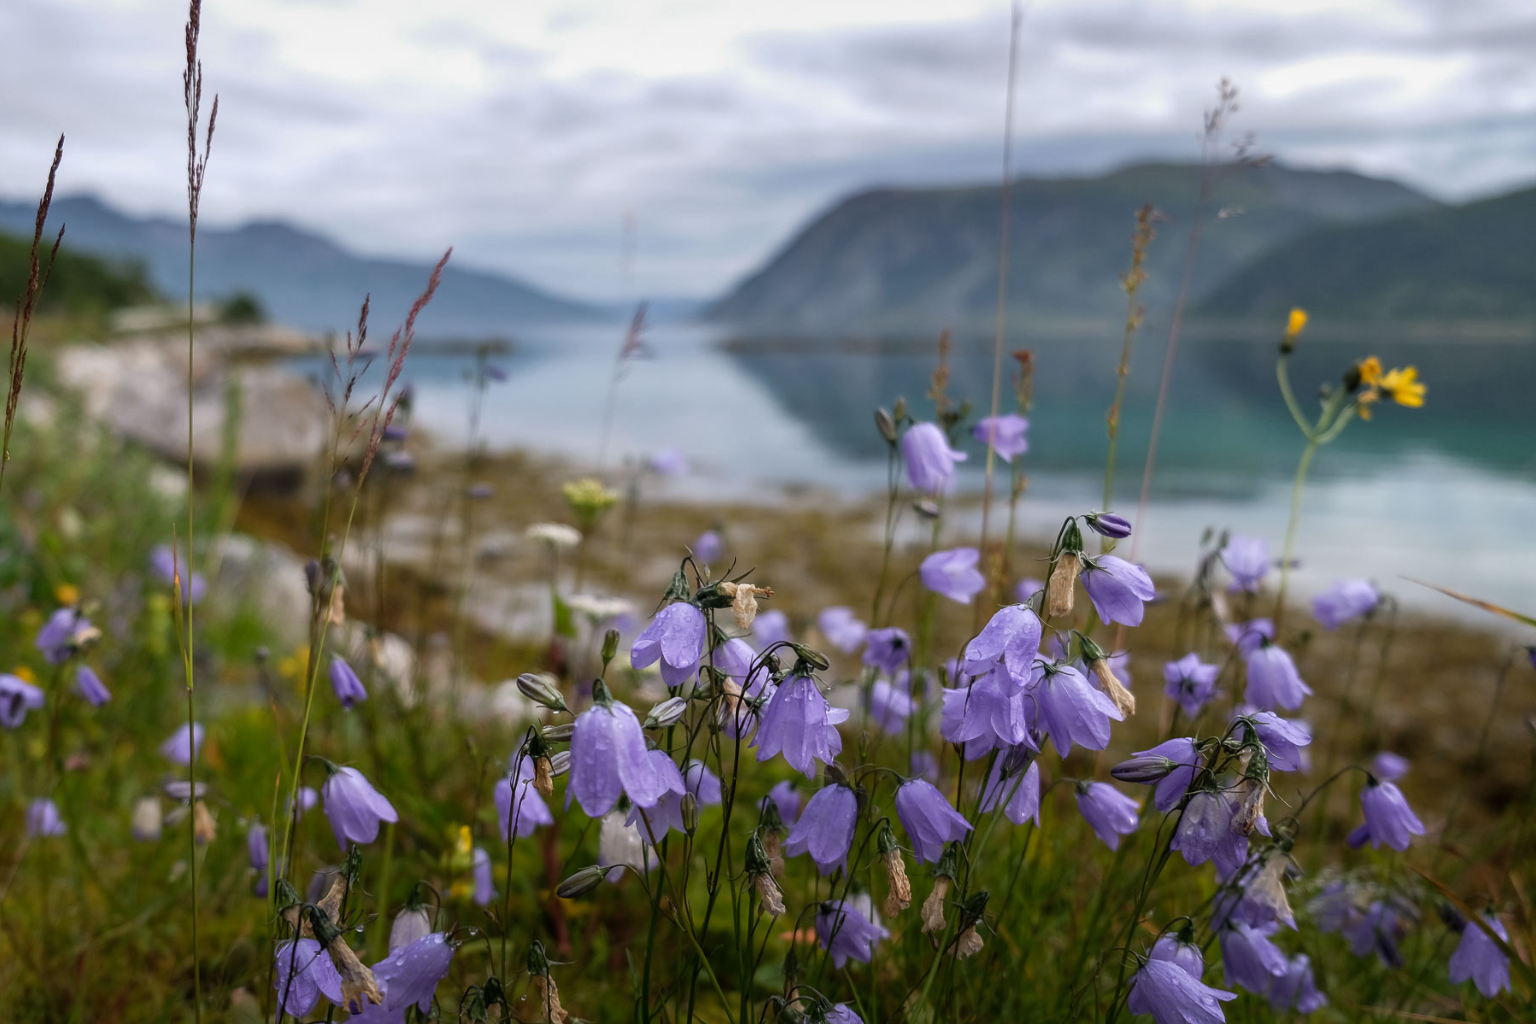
(1446, 493)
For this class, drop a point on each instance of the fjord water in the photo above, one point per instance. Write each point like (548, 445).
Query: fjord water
(1446, 493)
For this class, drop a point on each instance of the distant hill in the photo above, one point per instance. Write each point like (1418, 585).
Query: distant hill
(79, 283)
(1472, 262)
(301, 278)
(918, 259)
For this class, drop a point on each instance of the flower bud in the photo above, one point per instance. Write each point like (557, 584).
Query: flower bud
(1110, 525)
(688, 806)
(1293, 327)
(560, 764)
(583, 881)
(610, 645)
(810, 657)
(1059, 591)
(926, 508)
(558, 731)
(540, 689)
(665, 714)
(886, 425)
(410, 926)
(1144, 769)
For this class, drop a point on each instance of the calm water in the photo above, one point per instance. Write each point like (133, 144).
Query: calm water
(1446, 493)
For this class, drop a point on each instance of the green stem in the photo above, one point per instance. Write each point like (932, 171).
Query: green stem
(1290, 530)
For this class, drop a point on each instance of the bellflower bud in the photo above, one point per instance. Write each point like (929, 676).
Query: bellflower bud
(1110, 525)
(886, 425)
(665, 714)
(610, 645)
(540, 689)
(583, 881)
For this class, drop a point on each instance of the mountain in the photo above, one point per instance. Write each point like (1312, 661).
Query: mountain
(1471, 262)
(301, 278)
(921, 259)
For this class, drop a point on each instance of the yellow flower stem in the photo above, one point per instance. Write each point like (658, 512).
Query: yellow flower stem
(1284, 376)
(1290, 530)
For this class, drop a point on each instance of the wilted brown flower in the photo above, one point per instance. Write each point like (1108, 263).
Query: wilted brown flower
(1059, 593)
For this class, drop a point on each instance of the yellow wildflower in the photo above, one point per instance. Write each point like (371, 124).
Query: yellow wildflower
(67, 594)
(1370, 370)
(26, 674)
(1297, 322)
(1403, 386)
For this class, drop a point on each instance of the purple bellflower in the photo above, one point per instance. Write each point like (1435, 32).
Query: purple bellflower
(1015, 777)
(799, 722)
(702, 783)
(303, 972)
(1376, 931)
(783, 795)
(991, 712)
(43, 819)
(667, 813)
(608, 757)
(1013, 635)
(532, 811)
(1389, 766)
(1296, 990)
(1109, 525)
(1273, 681)
(16, 698)
(1111, 814)
(1004, 433)
(256, 848)
(1074, 711)
(1190, 683)
(734, 658)
(1119, 590)
(930, 821)
(1182, 952)
(182, 747)
(1167, 992)
(354, 807)
(1171, 766)
(676, 637)
(825, 828)
(841, 1013)
(1283, 739)
(709, 546)
(166, 567)
(1251, 959)
(345, 682)
(89, 686)
(1204, 827)
(888, 648)
(844, 930)
(953, 574)
(889, 707)
(843, 631)
(1343, 601)
(1028, 588)
(1479, 959)
(484, 878)
(770, 627)
(1247, 637)
(409, 977)
(1247, 560)
(1388, 819)
(58, 636)
(929, 458)
(670, 463)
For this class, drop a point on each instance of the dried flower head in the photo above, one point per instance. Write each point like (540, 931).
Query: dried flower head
(933, 906)
(744, 600)
(1059, 590)
(969, 943)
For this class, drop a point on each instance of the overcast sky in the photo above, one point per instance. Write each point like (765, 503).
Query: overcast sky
(521, 131)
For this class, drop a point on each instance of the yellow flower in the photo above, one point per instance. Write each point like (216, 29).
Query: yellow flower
(26, 674)
(67, 594)
(1370, 370)
(1297, 322)
(1404, 387)
(464, 844)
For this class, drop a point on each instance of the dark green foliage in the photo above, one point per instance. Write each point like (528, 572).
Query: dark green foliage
(80, 283)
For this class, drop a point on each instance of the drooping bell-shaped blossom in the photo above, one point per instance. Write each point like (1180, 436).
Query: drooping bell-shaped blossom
(1204, 827)
(1072, 711)
(925, 765)
(676, 637)
(43, 819)
(167, 568)
(480, 870)
(1297, 989)
(991, 712)
(1389, 766)
(256, 849)
(889, 706)
(841, 1013)
(708, 547)
(784, 796)
(410, 925)
(1343, 601)
(799, 722)
(409, 977)
(1376, 931)
(1170, 767)
(930, 460)
(734, 658)
(1283, 739)
(182, 747)
(1004, 433)
(1388, 819)
(843, 630)
(609, 758)
(888, 648)
(1247, 560)
(1251, 960)
(930, 821)
(1256, 894)
(1015, 780)
(354, 807)
(670, 462)
(1479, 959)
(1231, 852)
(1273, 682)
(825, 828)
(1247, 637)
(59, 636)
(1165, 991)
(771, 627)
(16, 698)
(843, 929)
(1191, 683)
(303, 971)
(953, 574)
(346, 683)
(1119, 590)
(620, 843)
(702, 783)
(1012, 635)
(1182, 952)
(1027, 589)
(666, 813)
(1109, 813)
(306, 799)
(516, 793)
(89, 686)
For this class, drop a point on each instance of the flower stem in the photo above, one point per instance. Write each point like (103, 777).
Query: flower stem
(1290, 531)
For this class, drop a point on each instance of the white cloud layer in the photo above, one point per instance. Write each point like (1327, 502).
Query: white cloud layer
(522, 131)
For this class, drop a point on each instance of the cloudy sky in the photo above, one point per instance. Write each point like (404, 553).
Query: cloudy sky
(522, 131)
